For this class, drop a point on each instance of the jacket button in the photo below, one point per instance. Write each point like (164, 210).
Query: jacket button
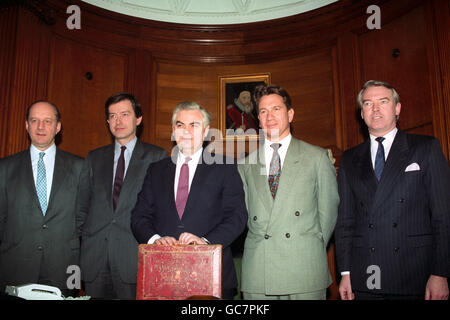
(266, 236)
(44, 226)
(394, 225)
(401, 200)
(297, 213)
(372, 249)
(255, 218)
(39, 248)
(396, 249)
(370, 225)
(287, 235)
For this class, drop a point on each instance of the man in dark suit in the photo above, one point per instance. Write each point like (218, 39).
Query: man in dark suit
(393, 228)
(43, 191)
(108, 248)
(185, 199)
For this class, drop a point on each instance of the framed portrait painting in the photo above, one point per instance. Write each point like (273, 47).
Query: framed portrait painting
(238, 117)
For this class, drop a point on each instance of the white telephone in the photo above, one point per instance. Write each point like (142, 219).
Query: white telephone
(35, 292)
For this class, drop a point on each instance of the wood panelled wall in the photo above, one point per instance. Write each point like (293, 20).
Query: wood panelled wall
(309, 78)
(321, 57)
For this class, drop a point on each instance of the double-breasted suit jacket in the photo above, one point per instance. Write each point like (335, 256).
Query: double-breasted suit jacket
(400, 224)
(285, 248)
(30, 239)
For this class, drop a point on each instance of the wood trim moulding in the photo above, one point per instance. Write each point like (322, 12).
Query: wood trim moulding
(26, 78)
(349, 75)
(8, 32)
(326, 20)
(241, 43)
(438, 17)
(338, 114)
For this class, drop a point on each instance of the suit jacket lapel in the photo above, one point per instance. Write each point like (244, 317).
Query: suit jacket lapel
(362, 161)
(259, 174)
(290, 170)
(108, 172)
(133, 171)
(200, 177)
(29, 183)
(289, 173)
(395, 164)
(167, 181)
(196, 186)
(59, 174)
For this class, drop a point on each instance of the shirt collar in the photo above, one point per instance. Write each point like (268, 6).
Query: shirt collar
(130, 145)
(49, 152)
(194, 158)
(284, 142)
(389, 137)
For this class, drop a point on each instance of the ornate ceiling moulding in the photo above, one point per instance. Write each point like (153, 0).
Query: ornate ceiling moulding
(210, 12)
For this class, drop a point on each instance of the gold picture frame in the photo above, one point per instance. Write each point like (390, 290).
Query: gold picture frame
(230, 89)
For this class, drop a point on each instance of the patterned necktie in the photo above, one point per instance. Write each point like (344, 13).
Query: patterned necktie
(183, 188)
(41, 183)
(275, 169)
(379, 158)
(118, 180)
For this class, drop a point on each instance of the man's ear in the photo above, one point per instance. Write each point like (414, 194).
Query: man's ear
(398, 108)
(206, 132)
(291, 114)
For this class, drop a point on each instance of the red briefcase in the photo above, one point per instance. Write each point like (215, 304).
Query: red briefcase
(179, 271)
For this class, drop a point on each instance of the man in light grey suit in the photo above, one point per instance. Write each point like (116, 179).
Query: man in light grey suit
(292, 201)
(108, 248)
(42, 196)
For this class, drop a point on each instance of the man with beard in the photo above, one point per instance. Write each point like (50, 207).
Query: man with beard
(240, 113)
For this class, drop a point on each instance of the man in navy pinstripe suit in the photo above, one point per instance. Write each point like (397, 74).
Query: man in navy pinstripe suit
(393, 228)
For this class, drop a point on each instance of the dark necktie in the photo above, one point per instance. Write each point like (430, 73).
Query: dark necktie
(379, 158)
(118, 180)
(275, 169)
(183, 188)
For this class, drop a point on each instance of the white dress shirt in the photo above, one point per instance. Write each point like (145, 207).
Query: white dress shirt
(387, 144)
(192, 164)
(268, 151)
(49, 161)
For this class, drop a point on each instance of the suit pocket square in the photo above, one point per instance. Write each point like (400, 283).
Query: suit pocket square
(412, 167)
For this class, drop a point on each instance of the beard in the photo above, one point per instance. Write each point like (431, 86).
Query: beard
(247, 108)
